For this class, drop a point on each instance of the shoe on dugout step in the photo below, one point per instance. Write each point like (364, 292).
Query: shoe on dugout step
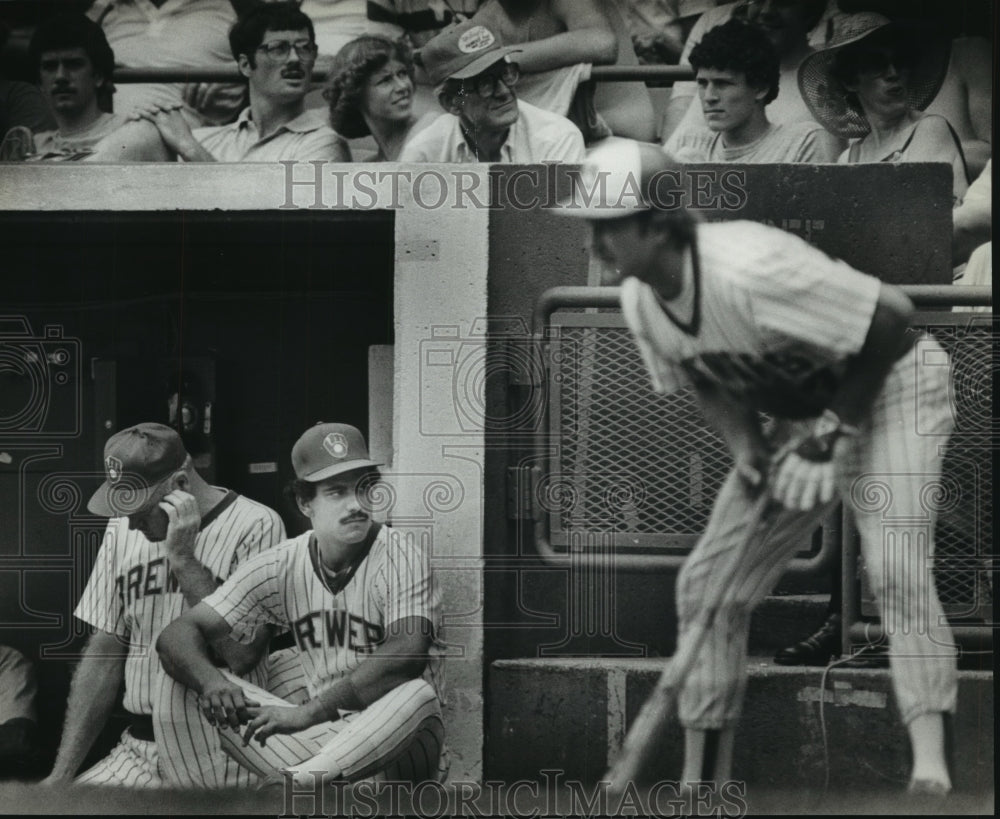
(817, 649)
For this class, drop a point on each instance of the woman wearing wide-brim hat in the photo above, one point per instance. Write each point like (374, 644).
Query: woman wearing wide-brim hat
(870, 85)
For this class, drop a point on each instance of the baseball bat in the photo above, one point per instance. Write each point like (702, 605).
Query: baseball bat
(641, 740)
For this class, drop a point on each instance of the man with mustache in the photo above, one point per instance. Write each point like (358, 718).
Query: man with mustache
(365, 612)
(275, 49)
(486, 122)
(74, 63)
(170, 540)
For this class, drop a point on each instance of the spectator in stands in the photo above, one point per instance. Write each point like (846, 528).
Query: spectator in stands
(74, 64)
(972, 244)
(370, 92)
(22, 107)
(965, 98)
(275, 50)
(18, 720)
(871, 84)
(559, 39)
(172, 34)
(736, 70)
(486, 122)
(787, 24)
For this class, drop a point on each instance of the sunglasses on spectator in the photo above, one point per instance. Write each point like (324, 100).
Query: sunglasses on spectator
(280, 49)
(486, 85)
(876, 62)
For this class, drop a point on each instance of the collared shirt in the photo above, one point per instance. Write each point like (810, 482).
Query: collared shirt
(537, 136)
(178, 34)
(305, 137)
(56, 145)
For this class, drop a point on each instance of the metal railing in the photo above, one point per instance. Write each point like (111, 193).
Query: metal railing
(600, 73)
(592, 506)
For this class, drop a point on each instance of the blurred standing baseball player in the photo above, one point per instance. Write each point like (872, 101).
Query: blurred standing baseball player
(755, 319)
(365, 612)
(171, 540)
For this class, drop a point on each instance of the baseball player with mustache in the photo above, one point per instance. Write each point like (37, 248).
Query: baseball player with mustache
(365, 612)
(755, 319)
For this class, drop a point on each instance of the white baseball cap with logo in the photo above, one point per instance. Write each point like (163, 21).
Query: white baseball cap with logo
(325, 450)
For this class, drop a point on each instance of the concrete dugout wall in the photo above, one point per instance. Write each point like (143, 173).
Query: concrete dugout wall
(440, 269)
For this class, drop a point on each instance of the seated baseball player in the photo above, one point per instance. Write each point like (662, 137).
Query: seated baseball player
(74, 64)
(736, 71)
(275, 50)
(753, 319)
(365, 611)
(486, 122)
(171, 539)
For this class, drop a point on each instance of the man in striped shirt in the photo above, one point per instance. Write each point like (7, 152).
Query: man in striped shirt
(754, 319)
(171, 541)
(365, 612)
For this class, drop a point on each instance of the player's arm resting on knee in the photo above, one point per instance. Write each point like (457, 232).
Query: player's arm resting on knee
(183, 647)
(738, 424)
(95, 687)
(401, 657)
(804, 476)
(589, 38)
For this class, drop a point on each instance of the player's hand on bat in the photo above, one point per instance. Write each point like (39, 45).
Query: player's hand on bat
(224, 704)
(267, 720)
(801, 484)
(752, 464)
(183, 521)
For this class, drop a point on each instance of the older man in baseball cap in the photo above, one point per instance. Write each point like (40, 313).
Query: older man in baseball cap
(363, 606)
(475, 79)
(754, 320)
(172, 537)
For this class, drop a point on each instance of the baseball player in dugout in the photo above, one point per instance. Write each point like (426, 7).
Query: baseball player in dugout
(171, 540)
(754, 319)
(365, 611)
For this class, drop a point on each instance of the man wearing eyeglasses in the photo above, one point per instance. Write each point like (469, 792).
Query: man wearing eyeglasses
(275, 49)
(475, 80)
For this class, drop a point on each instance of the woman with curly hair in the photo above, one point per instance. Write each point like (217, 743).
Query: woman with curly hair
(371, 91)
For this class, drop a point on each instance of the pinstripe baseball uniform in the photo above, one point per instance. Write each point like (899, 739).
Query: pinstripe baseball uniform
(774, 323)
(336, 627)
(132, 594)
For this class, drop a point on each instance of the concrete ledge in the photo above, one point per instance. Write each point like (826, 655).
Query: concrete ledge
(571, 715)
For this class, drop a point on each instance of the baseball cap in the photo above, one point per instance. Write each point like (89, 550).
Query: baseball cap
(136, 461)
(326, 450)
(461, 52)
(619, 177)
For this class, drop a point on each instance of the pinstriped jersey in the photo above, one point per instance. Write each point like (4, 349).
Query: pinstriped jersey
(335, 631)
(133, 594)
(778, 320)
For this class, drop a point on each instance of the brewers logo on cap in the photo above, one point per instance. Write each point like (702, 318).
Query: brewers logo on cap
(114, 466)
(336, 445)
(475, 39)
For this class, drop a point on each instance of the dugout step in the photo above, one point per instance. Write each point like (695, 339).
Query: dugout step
(571, 714)
(781, 620)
